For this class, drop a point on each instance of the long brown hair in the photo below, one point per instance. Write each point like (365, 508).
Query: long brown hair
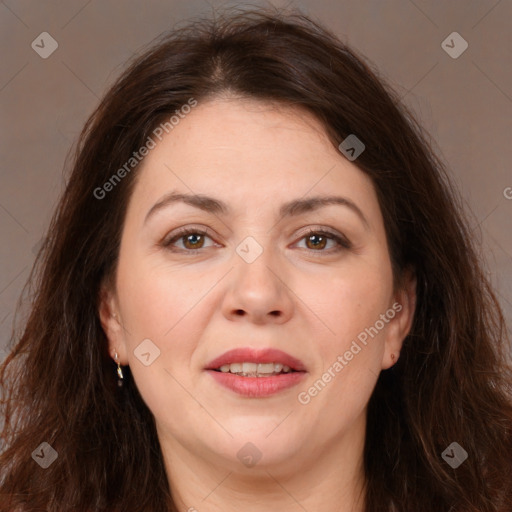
(452, 382)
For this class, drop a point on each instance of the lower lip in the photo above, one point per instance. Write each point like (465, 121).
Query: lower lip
(256, 387)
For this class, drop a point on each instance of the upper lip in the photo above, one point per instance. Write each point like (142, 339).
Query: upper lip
(253, 355)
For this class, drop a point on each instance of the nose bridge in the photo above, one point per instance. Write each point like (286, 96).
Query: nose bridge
(257, 288)
(258, 263)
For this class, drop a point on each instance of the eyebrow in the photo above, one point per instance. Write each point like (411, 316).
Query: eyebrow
(289, 209)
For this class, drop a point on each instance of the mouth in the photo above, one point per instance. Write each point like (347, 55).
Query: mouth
(252, 369)
(251, 362)
(256, 372)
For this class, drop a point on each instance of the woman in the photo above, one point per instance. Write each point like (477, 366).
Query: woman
(258, 292)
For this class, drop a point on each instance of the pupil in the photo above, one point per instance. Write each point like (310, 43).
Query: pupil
(317, 240)
(193, 239)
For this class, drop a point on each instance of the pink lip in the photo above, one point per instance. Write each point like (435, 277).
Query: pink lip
(257, 386)
(252, 355)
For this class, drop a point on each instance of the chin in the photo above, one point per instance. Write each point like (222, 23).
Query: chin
(259, 445)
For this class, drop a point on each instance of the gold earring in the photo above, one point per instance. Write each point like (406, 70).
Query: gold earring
(119, 370)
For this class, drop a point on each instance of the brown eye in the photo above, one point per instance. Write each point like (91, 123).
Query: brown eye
(191, 240)
(317, 240)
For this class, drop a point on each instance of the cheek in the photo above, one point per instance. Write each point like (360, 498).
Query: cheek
(350, 302)
(156, 300)
(350, 358)
(161, 306)
(171, 308)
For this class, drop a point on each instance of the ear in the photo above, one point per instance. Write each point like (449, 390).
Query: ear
(399, 326)
(111, 322)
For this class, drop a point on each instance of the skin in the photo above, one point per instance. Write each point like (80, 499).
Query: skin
(305, 299)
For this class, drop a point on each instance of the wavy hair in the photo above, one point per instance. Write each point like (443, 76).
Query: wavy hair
(452, 382)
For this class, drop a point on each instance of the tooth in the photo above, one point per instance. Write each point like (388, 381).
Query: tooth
(249, 367)
(235, 367)
(266, 368)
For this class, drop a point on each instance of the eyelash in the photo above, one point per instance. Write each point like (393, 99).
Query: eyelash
(343, 243)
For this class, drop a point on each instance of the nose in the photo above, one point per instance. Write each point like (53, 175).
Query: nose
(258, 292)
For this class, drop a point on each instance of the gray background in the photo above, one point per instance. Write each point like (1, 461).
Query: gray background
(465, 103)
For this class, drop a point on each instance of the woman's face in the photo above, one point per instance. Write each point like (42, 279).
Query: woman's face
(278, 269)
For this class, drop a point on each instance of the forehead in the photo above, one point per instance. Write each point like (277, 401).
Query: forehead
(250, 152)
